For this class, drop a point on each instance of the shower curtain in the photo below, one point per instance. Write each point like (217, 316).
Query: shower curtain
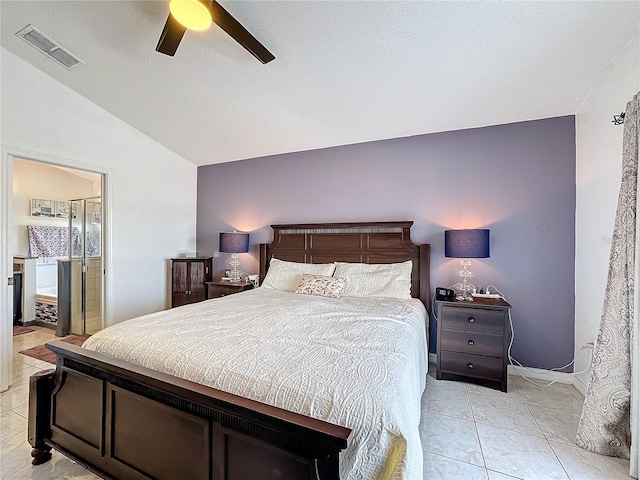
(609, 421)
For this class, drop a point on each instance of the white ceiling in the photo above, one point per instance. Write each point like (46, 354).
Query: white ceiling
(83, 174)
(345, 72)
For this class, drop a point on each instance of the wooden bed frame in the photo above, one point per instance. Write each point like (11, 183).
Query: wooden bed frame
(123, 421)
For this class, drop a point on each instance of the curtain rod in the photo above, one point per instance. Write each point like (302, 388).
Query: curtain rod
(618, 119)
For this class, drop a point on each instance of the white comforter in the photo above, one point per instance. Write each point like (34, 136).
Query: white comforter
(360, 363)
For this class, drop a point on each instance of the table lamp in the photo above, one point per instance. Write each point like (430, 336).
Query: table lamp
(466, 244)
(234, 243)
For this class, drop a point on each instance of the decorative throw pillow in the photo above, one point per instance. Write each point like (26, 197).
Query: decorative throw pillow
(386, 280)
(321, 285)
(287, 276)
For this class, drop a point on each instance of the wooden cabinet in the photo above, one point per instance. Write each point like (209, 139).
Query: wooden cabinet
(26, 301)
(188, 277)
(473, 341)
(222, 289)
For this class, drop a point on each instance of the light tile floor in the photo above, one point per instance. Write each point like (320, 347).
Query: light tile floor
(15, 452)
(468, 431)
(472, 432)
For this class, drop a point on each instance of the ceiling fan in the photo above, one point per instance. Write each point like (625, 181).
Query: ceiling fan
(198, 15)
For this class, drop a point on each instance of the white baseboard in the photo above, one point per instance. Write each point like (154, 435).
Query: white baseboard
(538, 374)
(581, 387)
(541, 374)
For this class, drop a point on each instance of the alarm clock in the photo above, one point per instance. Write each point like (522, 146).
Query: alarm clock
(444, 293)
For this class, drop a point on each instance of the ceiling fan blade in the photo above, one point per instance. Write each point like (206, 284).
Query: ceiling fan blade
(240, 34)
(171, 35)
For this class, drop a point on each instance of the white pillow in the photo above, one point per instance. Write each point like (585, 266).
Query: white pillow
(288, 275)
(386, 280)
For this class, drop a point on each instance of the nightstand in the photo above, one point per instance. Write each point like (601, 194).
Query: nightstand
(473, 341)
(222, 289)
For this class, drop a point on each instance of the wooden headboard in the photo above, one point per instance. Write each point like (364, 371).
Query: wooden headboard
(361, 242)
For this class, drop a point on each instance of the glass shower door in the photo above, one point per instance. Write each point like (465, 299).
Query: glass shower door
(86, 265)
(93, 266)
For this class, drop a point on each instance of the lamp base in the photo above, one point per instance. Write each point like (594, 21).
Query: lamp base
(234, 275)
(461, 297)
(463, 292)
(464, 288)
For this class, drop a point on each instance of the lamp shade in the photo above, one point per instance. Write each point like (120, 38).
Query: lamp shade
(471, 243)
(234, 242)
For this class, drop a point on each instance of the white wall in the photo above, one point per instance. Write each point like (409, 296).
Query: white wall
(598, 176)
(44, 181)
(151, 191)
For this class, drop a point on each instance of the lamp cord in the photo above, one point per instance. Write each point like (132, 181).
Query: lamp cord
(512, 360)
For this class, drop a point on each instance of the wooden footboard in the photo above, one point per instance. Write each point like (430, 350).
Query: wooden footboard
(128, 422)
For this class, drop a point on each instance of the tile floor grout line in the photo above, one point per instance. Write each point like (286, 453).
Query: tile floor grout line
(484, 460)
(544, 435)
(475, 427)
(454, 459)
(559, 461)
(546, 439)
(514, 430)
(505, 474)
(447, 415)
(8, 474)
(506, 400)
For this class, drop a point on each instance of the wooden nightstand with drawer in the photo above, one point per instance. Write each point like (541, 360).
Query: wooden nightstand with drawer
(222, 289)
(473, 341)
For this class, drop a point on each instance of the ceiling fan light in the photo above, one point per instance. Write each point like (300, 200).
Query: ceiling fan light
(193, 14)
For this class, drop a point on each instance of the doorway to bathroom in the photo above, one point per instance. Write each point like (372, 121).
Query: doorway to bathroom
(58, 247)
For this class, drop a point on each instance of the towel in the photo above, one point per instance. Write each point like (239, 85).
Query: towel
(50, 244)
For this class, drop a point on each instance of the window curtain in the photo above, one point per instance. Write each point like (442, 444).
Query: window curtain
(632, 139)
(609, 420)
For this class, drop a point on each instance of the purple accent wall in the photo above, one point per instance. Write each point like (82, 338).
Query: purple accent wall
(518, 180)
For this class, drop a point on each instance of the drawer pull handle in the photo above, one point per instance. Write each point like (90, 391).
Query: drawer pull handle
(471, 342)
(470, 365)
(471, 319)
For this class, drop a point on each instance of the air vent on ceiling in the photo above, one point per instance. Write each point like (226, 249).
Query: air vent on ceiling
(51, 49)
